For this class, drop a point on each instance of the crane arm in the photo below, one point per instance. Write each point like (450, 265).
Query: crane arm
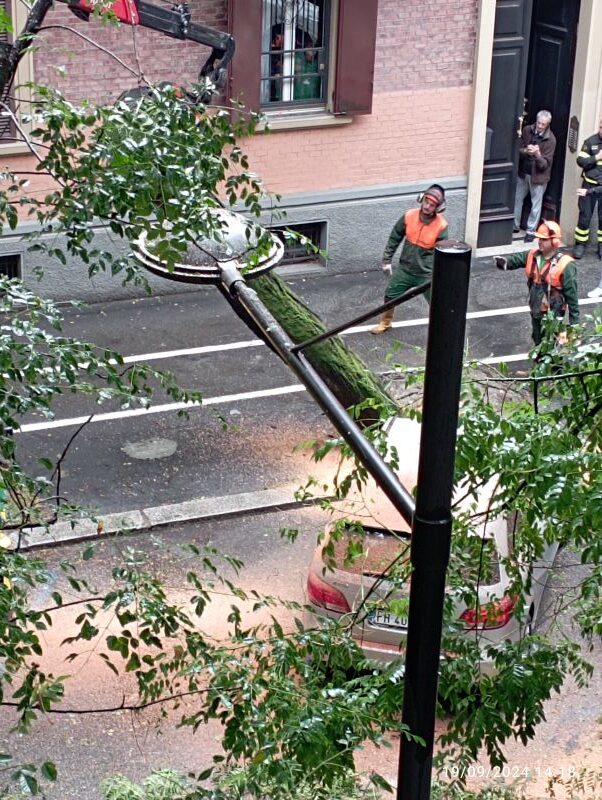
(174, 22)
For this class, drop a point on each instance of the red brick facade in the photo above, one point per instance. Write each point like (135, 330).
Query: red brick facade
(422, 85)
(81, 70)
(419, 45)
(430, 44)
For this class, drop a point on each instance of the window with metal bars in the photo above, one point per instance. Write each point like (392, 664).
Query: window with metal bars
(294, 53)
(296, 252)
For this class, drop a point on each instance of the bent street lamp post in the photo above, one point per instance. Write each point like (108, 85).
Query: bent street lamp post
(220, 264)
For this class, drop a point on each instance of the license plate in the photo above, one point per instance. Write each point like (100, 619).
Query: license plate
(384, 619)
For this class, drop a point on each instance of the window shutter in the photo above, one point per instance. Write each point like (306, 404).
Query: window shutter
(245, 67)
(356, 43)
(6, 126)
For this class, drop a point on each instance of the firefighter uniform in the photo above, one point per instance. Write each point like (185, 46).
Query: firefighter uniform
(591, 177)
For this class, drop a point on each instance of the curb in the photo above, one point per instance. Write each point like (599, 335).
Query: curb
(145, 519)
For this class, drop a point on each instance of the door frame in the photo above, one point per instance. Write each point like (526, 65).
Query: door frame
(586, 106)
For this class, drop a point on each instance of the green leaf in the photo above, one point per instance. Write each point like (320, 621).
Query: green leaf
(49, 771)
(88, 552)
(133, 663)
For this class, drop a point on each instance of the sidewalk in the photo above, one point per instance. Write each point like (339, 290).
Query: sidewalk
(144, 519)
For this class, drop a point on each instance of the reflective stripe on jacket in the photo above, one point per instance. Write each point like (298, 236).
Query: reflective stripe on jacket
(586, 158)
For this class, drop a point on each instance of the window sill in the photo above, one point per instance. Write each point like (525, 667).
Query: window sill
(14, 148)
(299, 120)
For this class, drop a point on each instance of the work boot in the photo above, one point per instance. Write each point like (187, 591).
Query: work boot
(385, 322)
(578, 251)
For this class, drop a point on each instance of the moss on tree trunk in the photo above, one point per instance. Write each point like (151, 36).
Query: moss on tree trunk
(346, 375)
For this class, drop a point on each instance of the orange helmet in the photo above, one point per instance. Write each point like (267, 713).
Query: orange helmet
(550, 230)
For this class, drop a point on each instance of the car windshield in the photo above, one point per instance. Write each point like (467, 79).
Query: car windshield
(372, 553)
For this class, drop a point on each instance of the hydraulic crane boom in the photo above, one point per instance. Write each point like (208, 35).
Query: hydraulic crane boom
(175, 22)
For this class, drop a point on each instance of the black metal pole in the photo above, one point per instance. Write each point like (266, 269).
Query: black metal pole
(409, 295)
(431, 531)
(234, 284)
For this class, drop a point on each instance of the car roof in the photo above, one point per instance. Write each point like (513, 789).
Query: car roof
(370, 505)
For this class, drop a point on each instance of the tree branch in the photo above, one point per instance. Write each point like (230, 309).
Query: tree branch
(11, 55)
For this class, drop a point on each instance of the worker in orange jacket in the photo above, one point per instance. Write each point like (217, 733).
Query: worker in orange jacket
(420, 229)
(551, 278)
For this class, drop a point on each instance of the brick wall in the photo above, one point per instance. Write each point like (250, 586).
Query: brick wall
(430, 43)
(419, 128)
(410, 136)
(426, 44)
(80, 70)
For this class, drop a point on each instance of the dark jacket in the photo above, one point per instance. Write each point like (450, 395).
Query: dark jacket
(592, 169)
(538, 167)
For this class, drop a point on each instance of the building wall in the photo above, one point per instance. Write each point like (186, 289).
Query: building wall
(356, 178)
(428, 44)
(420, 121)
(410, 135)
(81, 70)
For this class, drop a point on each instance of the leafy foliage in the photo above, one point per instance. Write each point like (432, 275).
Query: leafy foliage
(38, 365)
(537, 446)
(158, 167)
(293, 705)
(24, 780)
(159, 785)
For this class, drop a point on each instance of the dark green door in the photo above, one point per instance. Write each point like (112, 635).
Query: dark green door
(504, 119)
(550, 80)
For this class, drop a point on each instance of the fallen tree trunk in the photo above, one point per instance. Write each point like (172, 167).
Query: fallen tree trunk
(345, 374)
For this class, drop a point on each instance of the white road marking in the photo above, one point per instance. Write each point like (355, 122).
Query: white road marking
(277, 392)
(160, 409)
(194, 351)
(504, 359)
(406, 323)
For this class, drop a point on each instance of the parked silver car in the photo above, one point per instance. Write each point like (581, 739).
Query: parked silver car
(347, 578)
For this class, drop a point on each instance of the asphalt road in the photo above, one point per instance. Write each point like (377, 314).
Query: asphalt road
(146, 460)
(129, 461)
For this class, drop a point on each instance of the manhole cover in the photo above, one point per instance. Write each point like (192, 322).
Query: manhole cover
(151, 448)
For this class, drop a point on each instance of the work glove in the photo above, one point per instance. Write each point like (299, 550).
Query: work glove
(500, 262)
(387, 267)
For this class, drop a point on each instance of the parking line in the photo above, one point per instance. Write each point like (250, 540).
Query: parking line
(406, 323)
(277, 392)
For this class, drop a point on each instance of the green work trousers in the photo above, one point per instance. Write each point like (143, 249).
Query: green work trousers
(401, 281)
